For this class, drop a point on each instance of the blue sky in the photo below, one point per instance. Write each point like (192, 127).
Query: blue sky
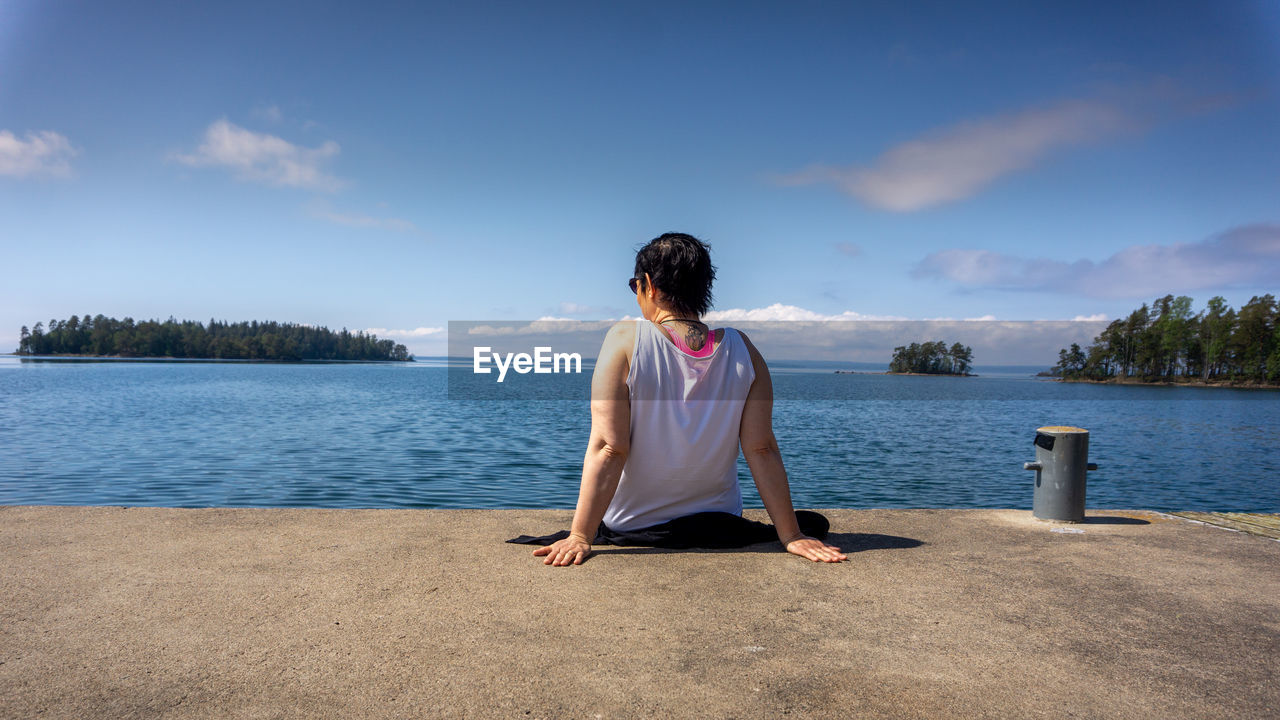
(394, 168)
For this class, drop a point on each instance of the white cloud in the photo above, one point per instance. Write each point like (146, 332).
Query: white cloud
(323, 212)
(1096, 317)
(414, 333)
(1246, 256)
(259, 157)
(959, 161)
(41, 153)
(780, 312)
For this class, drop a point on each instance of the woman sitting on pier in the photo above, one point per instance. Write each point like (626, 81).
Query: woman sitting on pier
(671, 402)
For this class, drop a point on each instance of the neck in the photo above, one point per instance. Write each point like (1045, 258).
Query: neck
(661, 314)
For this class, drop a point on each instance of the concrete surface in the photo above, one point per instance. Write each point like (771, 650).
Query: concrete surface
(143, 612)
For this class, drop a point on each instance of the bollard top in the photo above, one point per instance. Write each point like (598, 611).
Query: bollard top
(1061, 429)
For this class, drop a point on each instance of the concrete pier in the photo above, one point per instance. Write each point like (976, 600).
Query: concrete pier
(143, 612)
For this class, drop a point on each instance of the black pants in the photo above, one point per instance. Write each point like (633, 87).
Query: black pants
(700, 530)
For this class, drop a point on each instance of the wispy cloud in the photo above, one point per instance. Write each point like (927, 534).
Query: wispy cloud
(263, 158)
(780, 312)
(959, 161)
(984, 318)
(323, 212)
(573, 308)
(43, 153)
(1246, 256)
(849, 249)
(902, 55)
(270, 113)
(569, 308)
(414, 333)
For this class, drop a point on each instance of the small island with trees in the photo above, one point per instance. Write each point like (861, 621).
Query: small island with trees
(101, 336)
(1167, 343)
(931, 358)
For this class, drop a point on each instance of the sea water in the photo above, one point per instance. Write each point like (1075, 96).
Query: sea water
(198, 434)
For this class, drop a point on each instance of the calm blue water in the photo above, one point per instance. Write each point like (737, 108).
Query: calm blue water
(204, 434)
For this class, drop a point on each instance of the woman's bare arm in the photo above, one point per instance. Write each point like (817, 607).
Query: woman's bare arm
(607, 447)
(760, 448)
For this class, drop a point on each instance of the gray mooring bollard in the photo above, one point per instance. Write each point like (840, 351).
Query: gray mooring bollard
(1062, 457)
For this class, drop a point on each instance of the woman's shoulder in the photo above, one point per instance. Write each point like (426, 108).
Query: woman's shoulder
(622, 329)
(746, 342)
(730, 330)
(620, 337)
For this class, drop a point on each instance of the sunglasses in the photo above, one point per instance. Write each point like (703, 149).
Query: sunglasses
(632, 283)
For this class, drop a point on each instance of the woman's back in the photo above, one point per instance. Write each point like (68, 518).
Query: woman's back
(686, 413)
(667, 423)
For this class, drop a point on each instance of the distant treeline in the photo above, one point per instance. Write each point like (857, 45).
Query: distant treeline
(1166, 341)
(932, 358)
(255, 340)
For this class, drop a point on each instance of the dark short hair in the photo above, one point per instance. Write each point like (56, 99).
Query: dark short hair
(680, 266)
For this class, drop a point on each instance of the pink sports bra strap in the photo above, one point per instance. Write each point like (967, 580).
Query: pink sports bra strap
(707, 348)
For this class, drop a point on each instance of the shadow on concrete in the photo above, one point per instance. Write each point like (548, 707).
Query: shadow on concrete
(860, 542)
(847, 542)
(1114, 520)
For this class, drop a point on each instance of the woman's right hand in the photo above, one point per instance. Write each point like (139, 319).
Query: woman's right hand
(569, 551)
(815, 550)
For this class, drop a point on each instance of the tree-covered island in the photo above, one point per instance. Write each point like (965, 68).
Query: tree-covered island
(101, 336)
(931, 358)
(1166, 343)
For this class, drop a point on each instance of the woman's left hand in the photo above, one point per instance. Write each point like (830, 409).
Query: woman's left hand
(569, 551)
(815, 550)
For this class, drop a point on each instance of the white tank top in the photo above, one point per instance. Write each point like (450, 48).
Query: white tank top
(685, 417)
